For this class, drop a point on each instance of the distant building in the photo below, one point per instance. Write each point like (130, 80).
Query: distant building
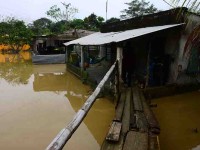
(50, 48)
(48, 44)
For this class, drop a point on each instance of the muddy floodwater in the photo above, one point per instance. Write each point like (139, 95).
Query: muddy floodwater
(179, 118)
(37, 101)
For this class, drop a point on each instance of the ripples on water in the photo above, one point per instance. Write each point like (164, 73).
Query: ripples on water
(37, 101)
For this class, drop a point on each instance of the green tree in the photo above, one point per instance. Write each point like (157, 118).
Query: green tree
(14, 33)
(60, 26)
(58, 14)
(93, 22)
(77, 23)
(41, 26)
(138, 8)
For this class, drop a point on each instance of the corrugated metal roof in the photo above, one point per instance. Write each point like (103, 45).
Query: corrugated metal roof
(105, 38)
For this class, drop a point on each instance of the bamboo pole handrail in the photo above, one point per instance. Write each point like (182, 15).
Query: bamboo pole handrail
(65, 134)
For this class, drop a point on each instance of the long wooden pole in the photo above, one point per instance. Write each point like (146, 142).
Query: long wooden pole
(65, 134)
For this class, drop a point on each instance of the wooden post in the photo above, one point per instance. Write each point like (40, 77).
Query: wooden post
(119, 58)
(82, 58)
(117, 90)
(66, 55)
(148, 64)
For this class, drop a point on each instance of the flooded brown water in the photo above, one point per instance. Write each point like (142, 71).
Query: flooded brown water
(179, 118)
(37, 101)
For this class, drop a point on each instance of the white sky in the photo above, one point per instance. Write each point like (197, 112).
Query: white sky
(29, 10)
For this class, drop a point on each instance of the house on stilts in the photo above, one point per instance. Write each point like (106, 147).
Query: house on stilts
(155, 50)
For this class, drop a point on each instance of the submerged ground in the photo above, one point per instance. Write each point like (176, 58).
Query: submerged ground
(179, 121)
(36, 102)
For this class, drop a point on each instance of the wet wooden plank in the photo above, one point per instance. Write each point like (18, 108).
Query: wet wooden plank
(136, 100)
(114, 132)
(108, 145)
(126, 113)
(132, 116)
(154, 126)
(141, 122)
(136, 141)
(120, 107)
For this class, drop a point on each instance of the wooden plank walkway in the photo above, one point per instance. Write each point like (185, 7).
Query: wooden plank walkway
(136, 141)
(134, 126)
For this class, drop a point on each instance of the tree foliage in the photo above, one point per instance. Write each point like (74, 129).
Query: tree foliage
(58, 14)
(41, 26)
(93, 22)
(14, 33)
(65, 19)
(59, 27)
(77, 23)
(193, 5)
(138, 8)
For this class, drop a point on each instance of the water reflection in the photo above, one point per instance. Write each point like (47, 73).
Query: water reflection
(20, 57)
(101, 113)
(50, 82)
(37, 101)
(16, 74)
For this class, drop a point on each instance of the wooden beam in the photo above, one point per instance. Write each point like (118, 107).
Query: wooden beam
(82, 57)
(141, 122)
(120, 107)
(114, 132)
(136, 141)
(154, 126)
(107, 145)
(136, 100)
(133, 125)
(126, 114)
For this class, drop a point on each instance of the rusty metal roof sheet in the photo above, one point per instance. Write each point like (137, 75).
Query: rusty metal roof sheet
(105, 38)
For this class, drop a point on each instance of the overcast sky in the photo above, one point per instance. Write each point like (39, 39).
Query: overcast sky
(29, 10)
